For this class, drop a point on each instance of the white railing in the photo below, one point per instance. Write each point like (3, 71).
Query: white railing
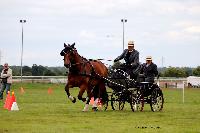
(171, 82)
(164, 81)
(40, 79)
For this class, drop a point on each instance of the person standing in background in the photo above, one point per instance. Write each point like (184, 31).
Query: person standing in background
(6, 76)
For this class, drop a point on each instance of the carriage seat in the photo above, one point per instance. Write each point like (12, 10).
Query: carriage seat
(145, 83)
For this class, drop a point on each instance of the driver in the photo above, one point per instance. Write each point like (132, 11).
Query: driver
(131, 57)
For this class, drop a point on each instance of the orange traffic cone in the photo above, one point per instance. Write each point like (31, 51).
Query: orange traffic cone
(13, 104)
(8, 97)
(92, 101)
(22, 90)
(100, 104)
(50, 91)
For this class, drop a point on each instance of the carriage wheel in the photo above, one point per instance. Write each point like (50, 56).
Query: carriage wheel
(157, 100)
(133, 100)
(140, 103)
(116, 102)
(105, 105)
(139, 100)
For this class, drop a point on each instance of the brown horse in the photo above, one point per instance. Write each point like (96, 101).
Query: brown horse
(87, 75)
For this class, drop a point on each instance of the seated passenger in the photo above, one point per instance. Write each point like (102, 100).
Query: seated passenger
(149, 70)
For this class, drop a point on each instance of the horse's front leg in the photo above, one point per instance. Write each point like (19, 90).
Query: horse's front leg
(81, 91)
(73, 99)
(89, 95)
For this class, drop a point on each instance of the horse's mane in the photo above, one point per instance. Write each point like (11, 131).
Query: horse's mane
(85, 59)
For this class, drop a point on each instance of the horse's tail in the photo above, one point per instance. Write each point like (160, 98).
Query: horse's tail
(103, 92)
(99, 91)
(104, 96)
(102, 71)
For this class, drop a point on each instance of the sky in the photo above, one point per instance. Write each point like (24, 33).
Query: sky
(168, 30)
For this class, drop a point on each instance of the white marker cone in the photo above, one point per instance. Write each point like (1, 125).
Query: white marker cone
(14, 107)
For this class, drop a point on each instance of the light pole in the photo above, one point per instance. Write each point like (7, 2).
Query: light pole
(22, 21)
(123, 21)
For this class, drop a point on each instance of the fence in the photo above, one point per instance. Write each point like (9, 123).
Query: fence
(163, 82)
(172, 82)
(40, 79)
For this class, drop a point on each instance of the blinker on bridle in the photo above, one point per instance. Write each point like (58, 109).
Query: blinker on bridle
(63, 52)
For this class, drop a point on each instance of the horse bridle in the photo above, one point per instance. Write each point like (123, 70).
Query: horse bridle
(84, 61)
(73, 64)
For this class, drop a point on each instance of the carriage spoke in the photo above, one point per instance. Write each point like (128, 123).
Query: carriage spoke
(140, 104)
(116, 102)
(139, 101)
(133, 103)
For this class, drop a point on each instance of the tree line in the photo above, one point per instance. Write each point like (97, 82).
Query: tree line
(39, 70)
(179, 71)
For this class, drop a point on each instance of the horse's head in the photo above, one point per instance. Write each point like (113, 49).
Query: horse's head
(69, 53)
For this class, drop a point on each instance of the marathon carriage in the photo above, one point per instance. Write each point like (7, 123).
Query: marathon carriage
(134, 92)
(91, 76)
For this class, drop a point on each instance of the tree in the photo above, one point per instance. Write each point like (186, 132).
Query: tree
(174, 72)
(38, 70)
(49, 73)
(35, 70)
(16, 70)
(59, 71)
(196, 71)
(27, 71)
(188, 71)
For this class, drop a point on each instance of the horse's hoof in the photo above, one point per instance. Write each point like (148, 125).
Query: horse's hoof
(74, 100)
(86, 108)
(94, 109)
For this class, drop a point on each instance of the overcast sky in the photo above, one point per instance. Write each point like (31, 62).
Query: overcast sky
(168, 29)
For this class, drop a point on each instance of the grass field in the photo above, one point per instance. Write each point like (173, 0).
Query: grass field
(43, 113)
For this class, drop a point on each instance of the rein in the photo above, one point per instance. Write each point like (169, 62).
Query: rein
(83, 62)
(92, 74)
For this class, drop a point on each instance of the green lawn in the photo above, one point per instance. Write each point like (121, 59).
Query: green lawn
(55, 113)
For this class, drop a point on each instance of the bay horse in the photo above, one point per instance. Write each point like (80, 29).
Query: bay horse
(85, 74)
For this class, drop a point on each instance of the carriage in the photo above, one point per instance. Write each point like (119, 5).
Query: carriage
(136, 93)
(92, 75)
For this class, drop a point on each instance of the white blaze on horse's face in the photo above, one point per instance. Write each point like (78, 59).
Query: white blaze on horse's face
(67, 60)
(67, 53)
